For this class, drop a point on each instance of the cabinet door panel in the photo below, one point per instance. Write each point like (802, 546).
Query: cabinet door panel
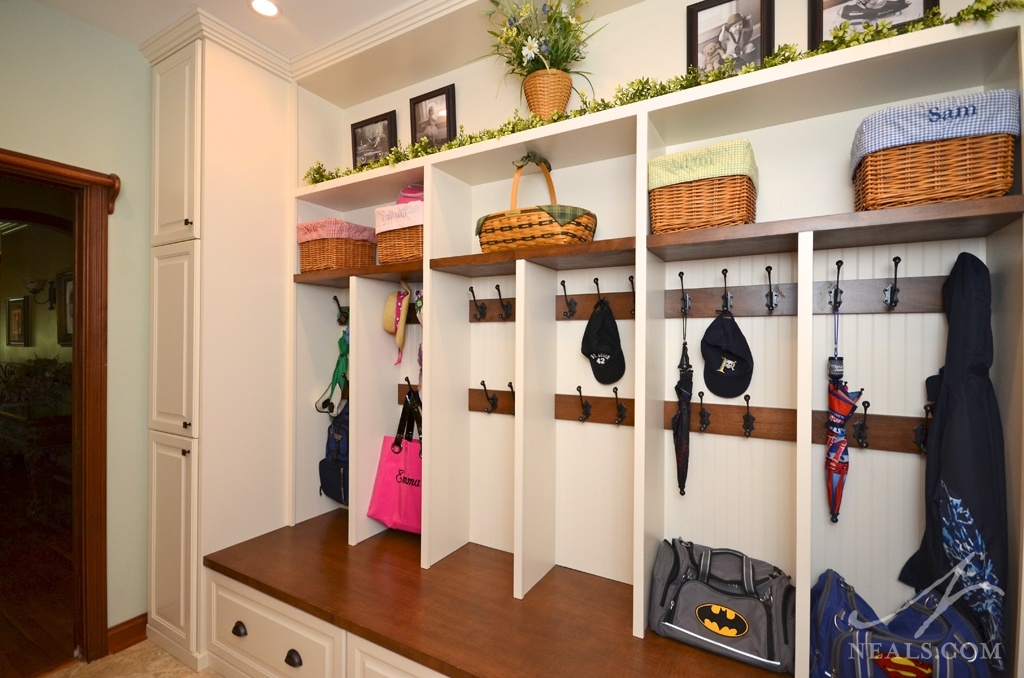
(173, 339)
(176, 114)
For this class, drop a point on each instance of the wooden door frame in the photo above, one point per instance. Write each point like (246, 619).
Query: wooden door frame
(95, 194)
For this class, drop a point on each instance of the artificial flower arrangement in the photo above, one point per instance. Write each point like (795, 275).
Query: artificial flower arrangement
(530, 36)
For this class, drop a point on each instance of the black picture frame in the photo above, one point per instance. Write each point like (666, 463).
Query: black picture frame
(65, 307)
(17, 322)
(373, 138)
(425, 120)
(824, 15)
(741, 29)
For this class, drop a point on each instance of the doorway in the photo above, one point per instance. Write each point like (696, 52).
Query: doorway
(93, 195)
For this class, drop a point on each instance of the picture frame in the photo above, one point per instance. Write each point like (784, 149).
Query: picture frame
(65, 307)
(17, 322)
(373, 138)
(824, 15)
(432, 115)
(741, 29)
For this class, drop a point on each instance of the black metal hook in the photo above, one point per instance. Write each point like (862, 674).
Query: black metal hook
(598, 285)
(705, 415)
(584, 405)
(771, 297)
(505, 306)
(748, 419)
(492, 399)
(412, 392)
(860, 428)
(620, 408)
(921, 430)
(570, 304)
(835, 295)
(513, 397)
(727, 295)
(891, 294)
(342, 313)
(632, 287)
(685, 299)
(481, 307)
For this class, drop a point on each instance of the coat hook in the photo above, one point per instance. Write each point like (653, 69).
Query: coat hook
(748, 419)
(505, 306)
(598, 285)
(705, 415)
(835, 295)
(771, 297)
(584, 405)
(513, 397)
(632, 311)
(685, 299)
(727, 295)
(620, 408)
(492, 399)
(860, 428)
(342, 313)
(481, 308)
(921, 430)
(891, 294)
(570, 304)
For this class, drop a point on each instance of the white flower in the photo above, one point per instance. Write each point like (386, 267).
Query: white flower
(530, 49)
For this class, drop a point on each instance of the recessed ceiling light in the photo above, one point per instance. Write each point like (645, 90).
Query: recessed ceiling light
(264, 8)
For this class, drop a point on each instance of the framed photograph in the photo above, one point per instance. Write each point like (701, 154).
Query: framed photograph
(824, 15)
(17, 322)
(742, 30)
(432, 115)
(373, 138)
(65, 307)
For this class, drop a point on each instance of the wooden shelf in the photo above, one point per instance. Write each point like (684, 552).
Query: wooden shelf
(410, 271)
(921, 223)
(597, 254)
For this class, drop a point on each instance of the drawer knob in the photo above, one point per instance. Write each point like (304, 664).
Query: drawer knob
(239, 629)
(188, 222)
(293, 658)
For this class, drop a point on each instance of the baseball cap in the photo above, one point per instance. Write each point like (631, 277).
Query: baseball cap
(601, 344)
(728, 365)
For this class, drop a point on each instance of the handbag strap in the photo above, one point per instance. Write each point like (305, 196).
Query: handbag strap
(543, 165)
(747, 568)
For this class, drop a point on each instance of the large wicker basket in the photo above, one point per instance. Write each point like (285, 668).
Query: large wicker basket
(334, 243)
(964, 168)
(705, 203)
(400, 244)
(538, 225)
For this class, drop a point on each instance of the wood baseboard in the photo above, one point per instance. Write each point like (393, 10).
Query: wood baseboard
(126, 634)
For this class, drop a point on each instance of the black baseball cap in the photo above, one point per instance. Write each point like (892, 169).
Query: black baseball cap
(728, 365)
(601, 344)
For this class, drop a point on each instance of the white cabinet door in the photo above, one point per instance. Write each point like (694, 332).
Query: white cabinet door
(367, 660)
(177, 108)
(174, 307)
(173, 560)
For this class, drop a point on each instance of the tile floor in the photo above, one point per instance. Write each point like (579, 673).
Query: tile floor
(143, 660)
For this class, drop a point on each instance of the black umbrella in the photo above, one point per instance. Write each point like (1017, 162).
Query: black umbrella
(681, 419)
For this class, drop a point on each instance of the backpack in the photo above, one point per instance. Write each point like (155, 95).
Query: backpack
(334, 466)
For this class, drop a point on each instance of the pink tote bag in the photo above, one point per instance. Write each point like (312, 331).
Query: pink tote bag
(397, 498)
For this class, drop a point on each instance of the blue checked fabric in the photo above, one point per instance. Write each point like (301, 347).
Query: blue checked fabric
(724, 159)
(993, 112)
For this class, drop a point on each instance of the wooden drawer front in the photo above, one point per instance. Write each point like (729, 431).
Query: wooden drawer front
(367, 660)
(270, 635)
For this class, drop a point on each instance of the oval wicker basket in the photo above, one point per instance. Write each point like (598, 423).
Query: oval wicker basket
(547, 91)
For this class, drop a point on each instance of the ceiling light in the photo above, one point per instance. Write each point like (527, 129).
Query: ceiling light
(264, 8)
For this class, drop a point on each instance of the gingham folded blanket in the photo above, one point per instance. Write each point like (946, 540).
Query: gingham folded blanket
(724, 159)
(993, 112)
(333, 228)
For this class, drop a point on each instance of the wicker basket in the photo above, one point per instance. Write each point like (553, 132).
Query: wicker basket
(964, 168)
(320, 246)
(400, 244)
(705, 203)
(534, 226)
(547, 91)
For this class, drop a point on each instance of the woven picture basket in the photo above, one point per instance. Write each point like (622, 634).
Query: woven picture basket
(547, 91)
(400, 244)
(965, 168)
(318, 255)
(535, 226)
(704, 203)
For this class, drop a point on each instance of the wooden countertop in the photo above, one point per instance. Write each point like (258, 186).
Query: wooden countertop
(459, 617)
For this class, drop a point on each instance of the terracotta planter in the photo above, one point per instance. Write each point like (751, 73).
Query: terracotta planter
(547, 91)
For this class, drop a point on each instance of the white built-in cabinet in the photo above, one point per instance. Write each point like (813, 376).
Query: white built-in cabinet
(220, 319)
(598, 496)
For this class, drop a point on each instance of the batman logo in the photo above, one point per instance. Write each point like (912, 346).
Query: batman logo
(721, 620)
